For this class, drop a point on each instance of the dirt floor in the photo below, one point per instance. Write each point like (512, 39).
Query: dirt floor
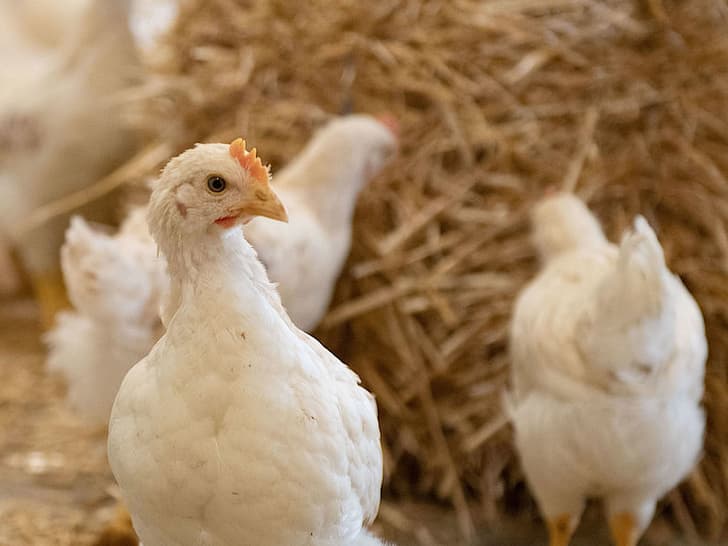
(56, 488)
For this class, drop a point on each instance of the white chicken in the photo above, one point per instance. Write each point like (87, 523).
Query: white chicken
(320, 189)
(608, 351)
(49, 112)
(116, 315)
(238, 428)
(26, 40)
(305, 257)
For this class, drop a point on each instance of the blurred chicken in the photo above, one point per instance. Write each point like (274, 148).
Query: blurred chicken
(238, 428)
(34, 27)
(117, 310)
(608, 352)
(26, 45)
(320, 189)
(305, 257)
(31, 28)
(61, 129)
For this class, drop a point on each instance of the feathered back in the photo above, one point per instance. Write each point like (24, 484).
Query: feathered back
(121, 267)
(628, 330)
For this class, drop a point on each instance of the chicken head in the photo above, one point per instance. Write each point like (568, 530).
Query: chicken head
(212, 186)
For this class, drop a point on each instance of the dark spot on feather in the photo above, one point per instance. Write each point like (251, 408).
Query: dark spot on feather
(242, 334)
(19, 132)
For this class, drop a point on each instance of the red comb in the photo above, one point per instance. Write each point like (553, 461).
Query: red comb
(248, 160)
(390, 122)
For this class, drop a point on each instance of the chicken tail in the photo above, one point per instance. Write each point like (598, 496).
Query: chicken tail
(561, 223)
(80, 236)
(629, 330)
(81, 241)
(109, 278)
(641, 268)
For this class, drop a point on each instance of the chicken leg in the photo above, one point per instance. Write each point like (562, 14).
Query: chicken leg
(561, 528)
(50, 293)
(120, 531)
(624, 530)
(9, 278)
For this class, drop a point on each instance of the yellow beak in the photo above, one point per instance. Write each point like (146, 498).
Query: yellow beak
(264, 202)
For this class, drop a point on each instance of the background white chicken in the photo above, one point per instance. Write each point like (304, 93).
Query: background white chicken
(117, 310)
(305, 257)
(31, 30)
(320, 188)
(608, 352)
(238, 428)
(62, 99)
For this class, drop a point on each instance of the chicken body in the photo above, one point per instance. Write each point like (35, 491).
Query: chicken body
(305, 257)
(608, 351)
(114, 328)
(319, 188)
(238, 428)
(49, 111)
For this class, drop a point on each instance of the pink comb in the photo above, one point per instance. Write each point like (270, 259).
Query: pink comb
(248, 160)
(390, 122)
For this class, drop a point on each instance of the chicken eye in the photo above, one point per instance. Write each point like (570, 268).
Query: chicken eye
(216, 184)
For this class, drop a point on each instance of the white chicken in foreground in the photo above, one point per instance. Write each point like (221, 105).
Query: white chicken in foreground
(126, 279)
(608, 351)
(238, 428)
